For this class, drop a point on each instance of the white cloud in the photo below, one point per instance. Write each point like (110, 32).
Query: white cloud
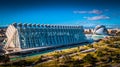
(97, 17)
(95, 11)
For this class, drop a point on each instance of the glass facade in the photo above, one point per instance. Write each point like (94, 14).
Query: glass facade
(39, 35)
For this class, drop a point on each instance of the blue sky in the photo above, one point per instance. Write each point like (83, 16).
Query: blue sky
(65, 12)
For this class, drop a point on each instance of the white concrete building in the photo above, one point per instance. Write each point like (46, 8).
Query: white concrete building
(29, 36)
(100, 32)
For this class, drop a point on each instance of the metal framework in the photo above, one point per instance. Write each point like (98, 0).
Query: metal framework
(23, 36)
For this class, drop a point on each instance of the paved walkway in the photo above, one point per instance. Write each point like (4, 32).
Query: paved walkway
(89, 50)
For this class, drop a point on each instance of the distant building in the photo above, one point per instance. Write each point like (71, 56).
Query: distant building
(88, 31)
(100, 32)
(25, 36)
(113, 31)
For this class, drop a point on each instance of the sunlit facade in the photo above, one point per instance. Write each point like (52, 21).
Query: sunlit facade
(100, 30)
(25, 36)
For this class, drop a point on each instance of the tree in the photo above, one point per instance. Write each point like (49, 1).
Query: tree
(99, 53)
(90, 59)
(67, 58)
(4, 58)
(91, 46)
(79, 48)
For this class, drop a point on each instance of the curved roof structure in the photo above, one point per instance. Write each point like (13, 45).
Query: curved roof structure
(25, 37)
(100, 30)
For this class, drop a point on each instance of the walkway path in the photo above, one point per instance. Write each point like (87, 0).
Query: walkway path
(51, 59)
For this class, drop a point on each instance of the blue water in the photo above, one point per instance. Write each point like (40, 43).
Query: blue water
(44, 52)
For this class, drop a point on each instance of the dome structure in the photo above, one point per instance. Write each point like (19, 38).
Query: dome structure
(100, 30)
